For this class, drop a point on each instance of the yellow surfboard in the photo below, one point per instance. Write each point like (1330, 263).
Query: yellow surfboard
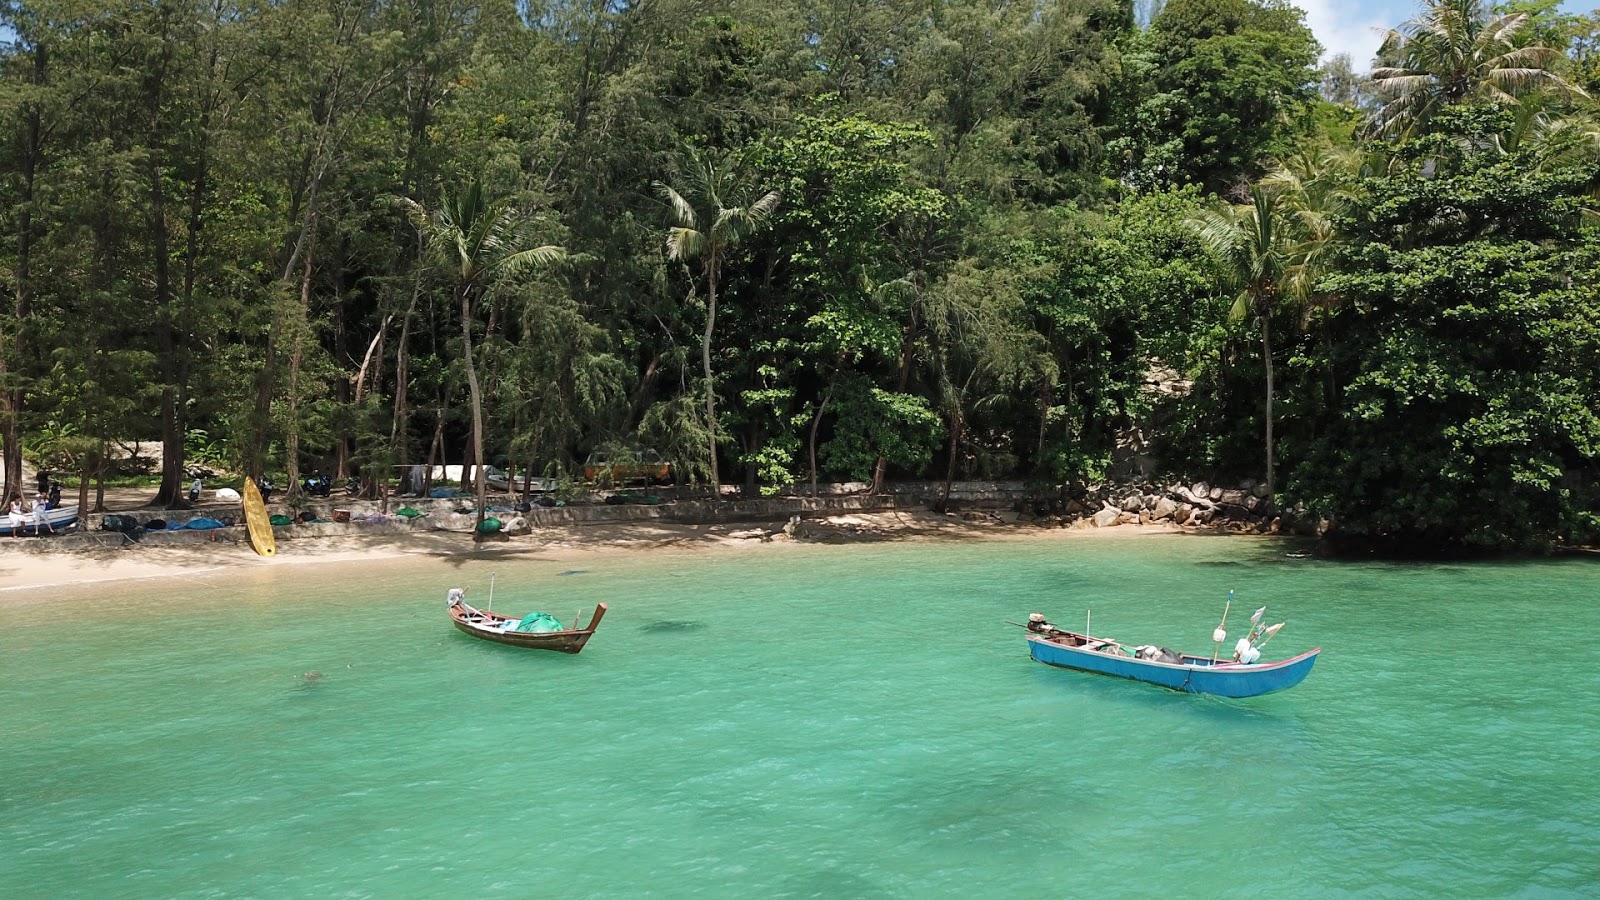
(256, 519)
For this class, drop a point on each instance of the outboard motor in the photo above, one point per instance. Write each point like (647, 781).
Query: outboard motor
(55, 494)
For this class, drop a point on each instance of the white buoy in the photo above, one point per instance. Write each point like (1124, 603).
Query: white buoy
(1219, 636)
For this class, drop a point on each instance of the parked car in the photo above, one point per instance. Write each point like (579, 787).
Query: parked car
(620, 467)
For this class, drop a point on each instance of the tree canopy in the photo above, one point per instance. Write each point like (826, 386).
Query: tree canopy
(814, 240)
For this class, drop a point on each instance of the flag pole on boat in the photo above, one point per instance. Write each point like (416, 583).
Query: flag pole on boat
(491, 592)
(1267, 635)
(1220, 635)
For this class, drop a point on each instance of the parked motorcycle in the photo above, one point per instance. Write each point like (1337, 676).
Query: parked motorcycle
(317, 485)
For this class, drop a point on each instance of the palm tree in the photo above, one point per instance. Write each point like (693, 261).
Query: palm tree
(1256, 245)
(1312, 191)
(1457, 50)
(712, 213)
(480, 241)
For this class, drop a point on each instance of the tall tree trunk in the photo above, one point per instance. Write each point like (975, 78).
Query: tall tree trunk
(1266, 354)
(399, 432)
(957, 423)
(296, 353)
(477, 407)
(435, 449)
(816, 422)
(11, 361)
(705, 358)
(167, 337)
(85, 473)
(907, 336)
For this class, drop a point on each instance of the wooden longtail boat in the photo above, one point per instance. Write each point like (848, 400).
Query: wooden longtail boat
(492, 626)
(1179, 671)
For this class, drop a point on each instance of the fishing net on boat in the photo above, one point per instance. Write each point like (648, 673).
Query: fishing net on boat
(539, 623)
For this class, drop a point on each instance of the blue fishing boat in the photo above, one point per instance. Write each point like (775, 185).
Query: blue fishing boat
(1239, 675)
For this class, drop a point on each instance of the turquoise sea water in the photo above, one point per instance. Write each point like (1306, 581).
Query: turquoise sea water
(804, 721)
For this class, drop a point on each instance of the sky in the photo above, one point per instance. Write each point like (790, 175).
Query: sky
(1356, 26)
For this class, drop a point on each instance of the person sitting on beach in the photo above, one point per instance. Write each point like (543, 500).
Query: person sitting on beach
(41, 505)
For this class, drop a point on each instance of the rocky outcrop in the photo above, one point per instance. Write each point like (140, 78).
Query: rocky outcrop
(1199, 504)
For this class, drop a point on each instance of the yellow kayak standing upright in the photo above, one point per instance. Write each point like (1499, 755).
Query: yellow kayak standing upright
(256, 519)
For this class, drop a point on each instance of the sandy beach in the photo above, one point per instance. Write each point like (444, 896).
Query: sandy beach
(24, 567)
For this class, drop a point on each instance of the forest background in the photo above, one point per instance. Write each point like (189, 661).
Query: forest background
(814, 239)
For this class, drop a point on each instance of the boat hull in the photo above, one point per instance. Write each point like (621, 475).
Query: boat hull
(58, 519)
(1195, 675)
(486, 627)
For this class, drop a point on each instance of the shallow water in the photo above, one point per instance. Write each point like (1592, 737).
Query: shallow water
(806, 721)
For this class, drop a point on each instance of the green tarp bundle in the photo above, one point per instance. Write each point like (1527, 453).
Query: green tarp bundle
(278, 519)
(539, 623)
(408, 512)
(489, 525)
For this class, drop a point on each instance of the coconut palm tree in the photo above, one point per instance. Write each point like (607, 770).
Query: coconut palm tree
(1262, 259)
(480, 241)
(1455, 51)
(712, 211)
(1312, 191)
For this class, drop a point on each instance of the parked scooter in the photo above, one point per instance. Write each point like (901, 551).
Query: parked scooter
(317, 485)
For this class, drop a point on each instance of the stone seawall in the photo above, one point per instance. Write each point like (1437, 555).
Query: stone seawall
(1080, 505)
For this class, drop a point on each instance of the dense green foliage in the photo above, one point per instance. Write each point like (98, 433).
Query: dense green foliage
(813, 240)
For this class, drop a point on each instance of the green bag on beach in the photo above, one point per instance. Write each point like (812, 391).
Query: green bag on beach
(408, 512)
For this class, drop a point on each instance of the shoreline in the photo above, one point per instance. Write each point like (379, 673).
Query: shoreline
(22, 573)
